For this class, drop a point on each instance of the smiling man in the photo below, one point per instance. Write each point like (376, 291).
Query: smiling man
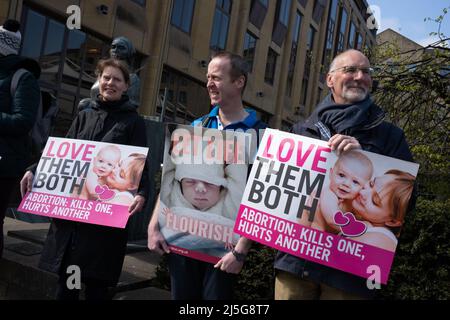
(348, 119)
(190, 278)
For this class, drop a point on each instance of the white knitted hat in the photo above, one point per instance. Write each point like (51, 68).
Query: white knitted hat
(210, 173)
(10, 38)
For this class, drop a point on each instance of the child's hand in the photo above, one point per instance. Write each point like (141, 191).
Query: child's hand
(166, 211)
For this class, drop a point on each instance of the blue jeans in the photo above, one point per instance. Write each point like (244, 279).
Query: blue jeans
(194, 280)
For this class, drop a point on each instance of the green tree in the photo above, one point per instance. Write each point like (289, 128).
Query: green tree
(414, 89)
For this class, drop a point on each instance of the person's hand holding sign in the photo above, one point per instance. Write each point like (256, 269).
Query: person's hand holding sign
(340, 143)
(26, 183)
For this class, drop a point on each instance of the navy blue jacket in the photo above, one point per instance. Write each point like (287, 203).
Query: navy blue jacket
(385, 139)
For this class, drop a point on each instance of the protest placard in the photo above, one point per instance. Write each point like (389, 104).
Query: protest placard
(85, 181)
(343, 212)
(204, 176)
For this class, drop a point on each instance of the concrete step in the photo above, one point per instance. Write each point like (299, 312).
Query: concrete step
(20, 277)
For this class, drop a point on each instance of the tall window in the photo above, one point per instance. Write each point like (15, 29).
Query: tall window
(343, 27)
(319, 8)
(182, 13)
(307, 72)
(220, 26)
(328, 50)
(270, 66)
(281, 22)
(359, 43)
(294, 48)
(283, 7)
(258, 12)
(351, 36)
(249, 49)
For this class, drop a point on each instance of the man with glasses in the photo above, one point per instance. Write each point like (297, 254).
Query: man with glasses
(348, 119)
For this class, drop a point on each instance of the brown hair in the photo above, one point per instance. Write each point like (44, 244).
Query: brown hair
(115, 63)
(239, 67)
(135, 168)
(400, 190)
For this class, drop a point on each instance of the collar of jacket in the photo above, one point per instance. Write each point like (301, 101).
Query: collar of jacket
(114, 106)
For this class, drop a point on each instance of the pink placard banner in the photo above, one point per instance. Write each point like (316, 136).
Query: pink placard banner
(79, 210)
(85, 181)
(311, 244)
(343, 211)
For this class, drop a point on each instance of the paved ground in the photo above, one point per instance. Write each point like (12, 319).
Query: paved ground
(20, 278)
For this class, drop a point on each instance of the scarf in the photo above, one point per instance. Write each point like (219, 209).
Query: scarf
(347, 118)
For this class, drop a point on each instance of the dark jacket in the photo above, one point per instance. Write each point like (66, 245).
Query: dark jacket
(98, 250)
(17, 114)
(385, 139)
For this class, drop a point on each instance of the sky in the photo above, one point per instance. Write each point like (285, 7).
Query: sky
(407, 18)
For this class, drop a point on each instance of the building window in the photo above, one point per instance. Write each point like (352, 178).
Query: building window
(303, 3)
(293, 57)
(343, 27)
(319, 8)
(220, 26)
(329, 41)
(281, 22)
(182, 13)
(283, 7)
(258, 12)
(270, 66)
(297, 26)
(249, 49)
(309, 51)
(359, 43)
(142, 3)
(351, 36)
(308, 62)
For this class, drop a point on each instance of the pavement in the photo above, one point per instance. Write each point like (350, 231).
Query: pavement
(21, 279)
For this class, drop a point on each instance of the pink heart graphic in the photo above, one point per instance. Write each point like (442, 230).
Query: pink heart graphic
(340, 219)
(354, 228)
(104, 193)
(99, 189)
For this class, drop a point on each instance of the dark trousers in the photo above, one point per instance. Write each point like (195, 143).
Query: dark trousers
(94, 290)
(194, 280)
(7, 186)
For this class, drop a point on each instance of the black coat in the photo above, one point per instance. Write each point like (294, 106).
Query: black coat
(385, 139)
(17, 114)
(99, 251)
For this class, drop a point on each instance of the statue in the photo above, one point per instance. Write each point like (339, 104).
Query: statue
(123, 49)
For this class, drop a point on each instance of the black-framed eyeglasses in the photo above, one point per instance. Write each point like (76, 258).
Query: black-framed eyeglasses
(354, 69)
